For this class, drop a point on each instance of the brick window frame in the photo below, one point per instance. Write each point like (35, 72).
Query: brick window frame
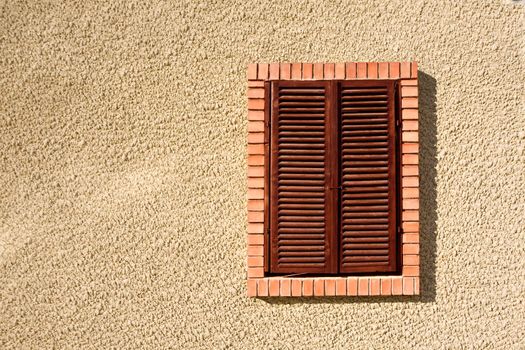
(406, 283)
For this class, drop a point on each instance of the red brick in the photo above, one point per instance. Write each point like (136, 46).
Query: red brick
(410, 271)
(318, 287)
(255, 115)
(263, 71)
(413, 72)
(255, 93)
(255, 126)
(351, 70)
(255, 228)
(410, 125)
(416, 285)
(383, 70)
(339, 70)
(340, 286)
(351, 286)
(296, 71)
(255, 193)
(308, 70)
(361, 70)
(308, 287)
(256, 182)
(318, 71)
(409, 114)
(386, 286)
(274, 287)
(410, 170)
(408, 91)
(286, 288)
(255, 160)
(296, 288)
(256, 104)
(255, 216)
(410, 192)
(255, 261)
(409, 102)
(262, 288)
(375, 286)
(255, 84)
(254, 240)
(372, 70)
(411, 237)
(405, 69)
(252, 71)
(285, 71)
(410, 136)
(329, 70)
(274, 71)
(397, 286)
(410, 148)
(411, 260)
(256, 137)
(255, 171)
(410, 215)
(256, 149)
(255, 272)
(408, 286)
(412, 203)
(252, 288)
(255, 250)
(410, 248)
(410, 227)
(394, 70)
(410, 159)
(363, 286)
(409, 82)
(329, 287)
(256, 205)
(410, 181)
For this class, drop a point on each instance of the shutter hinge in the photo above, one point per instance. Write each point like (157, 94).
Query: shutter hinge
(399, 229)
(398, 123)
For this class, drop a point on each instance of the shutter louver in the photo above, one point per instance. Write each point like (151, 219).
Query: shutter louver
(368, 177)
(303, 200)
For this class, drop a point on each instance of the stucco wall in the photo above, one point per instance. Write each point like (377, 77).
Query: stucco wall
(122, 173)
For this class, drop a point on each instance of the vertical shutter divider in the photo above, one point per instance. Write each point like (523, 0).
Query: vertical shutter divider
(332, 151)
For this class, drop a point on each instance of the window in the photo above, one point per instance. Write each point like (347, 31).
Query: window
(333, 197)
(333, 193)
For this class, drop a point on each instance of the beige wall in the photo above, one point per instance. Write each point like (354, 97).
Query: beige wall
(122, 173)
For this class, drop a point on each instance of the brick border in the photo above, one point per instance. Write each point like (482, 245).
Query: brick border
(405, 284)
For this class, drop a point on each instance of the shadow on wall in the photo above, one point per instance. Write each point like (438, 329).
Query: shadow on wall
(428, 208)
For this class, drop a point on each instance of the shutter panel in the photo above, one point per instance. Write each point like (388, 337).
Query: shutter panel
(368, 222)
(303, 210)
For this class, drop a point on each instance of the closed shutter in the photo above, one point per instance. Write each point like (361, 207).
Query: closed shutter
(303, 205)
(368, 222)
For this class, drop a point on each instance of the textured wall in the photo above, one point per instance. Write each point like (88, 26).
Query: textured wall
(122, 173)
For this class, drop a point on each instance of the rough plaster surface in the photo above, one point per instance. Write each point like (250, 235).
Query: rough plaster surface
(122, 173)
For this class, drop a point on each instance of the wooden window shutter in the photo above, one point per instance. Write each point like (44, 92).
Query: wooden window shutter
(303, 192)
(368, 217)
